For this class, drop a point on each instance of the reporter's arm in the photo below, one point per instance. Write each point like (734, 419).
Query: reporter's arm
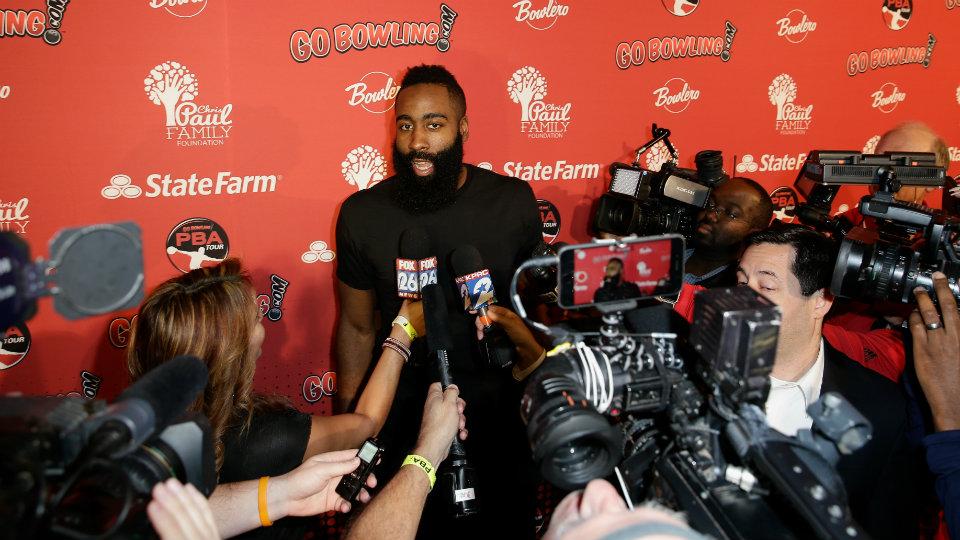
(355, 335)
(529, 351)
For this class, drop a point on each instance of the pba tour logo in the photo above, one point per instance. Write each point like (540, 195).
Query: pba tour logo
(119, 331)
(167, 185)
(14, 345)
(887, 97)
(541, 17)
(35, 23)
(795, 25)
(13, 216)
(896, 13)
(363, 167)
(538, 119)
(180, 8)
(376, 92)
(675, 95)
(173, 86)
(792, 119)
(197, 242)
(785, 201)
(681, 8)
(885, 57)
(317, 386)
(672, 47)
(271, 305)
(549, 220)
(770, 163)
(362, 35)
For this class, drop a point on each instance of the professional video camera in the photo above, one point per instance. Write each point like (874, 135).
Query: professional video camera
(645, 202)
(681, 420)
(909, 243)
(81, 469)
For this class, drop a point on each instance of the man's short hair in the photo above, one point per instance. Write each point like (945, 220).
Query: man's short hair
(434, 74)
(764, 213)
(937, 144)
(814, 253)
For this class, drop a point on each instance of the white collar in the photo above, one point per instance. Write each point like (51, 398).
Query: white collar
(787, 411)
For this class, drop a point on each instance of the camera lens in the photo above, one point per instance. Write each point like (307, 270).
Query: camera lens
(709, 166)
(879, 271)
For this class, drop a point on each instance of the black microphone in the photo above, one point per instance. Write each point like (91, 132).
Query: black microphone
(439, 340)
(147, 406)
(416, 268)
(476, 289)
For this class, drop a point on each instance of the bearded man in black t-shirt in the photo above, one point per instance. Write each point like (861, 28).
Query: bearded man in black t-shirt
(457, 204)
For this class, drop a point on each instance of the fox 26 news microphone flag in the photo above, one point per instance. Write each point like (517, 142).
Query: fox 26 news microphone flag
(416, 268)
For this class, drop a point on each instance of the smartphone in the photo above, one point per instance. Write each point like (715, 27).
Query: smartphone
(611, 271)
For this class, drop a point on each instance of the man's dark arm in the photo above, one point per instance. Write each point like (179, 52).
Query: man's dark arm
(354, 345)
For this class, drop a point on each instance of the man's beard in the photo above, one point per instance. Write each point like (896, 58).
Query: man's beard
(422, 194)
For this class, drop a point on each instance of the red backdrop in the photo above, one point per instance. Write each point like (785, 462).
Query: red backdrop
(243, 125)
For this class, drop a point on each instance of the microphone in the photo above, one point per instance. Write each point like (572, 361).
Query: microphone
(461, 474)
(147, 406)
(476, 289)
(416, 268)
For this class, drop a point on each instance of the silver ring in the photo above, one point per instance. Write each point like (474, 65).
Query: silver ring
(933, 326)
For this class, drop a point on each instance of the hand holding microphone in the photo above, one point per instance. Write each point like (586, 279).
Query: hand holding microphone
(529, 351)
(476, 289)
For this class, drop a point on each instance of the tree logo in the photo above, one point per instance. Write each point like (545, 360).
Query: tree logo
(172, 85)
(747, 164)
(14, 345)
(197, 242)
(363, 167)
(540, 18)
(795, 25)
(681, 8)
(896, 13)
(180, 8)
(549, 220)
(376, 92)
(887, 97)
(675, 95)
(539, 120)
(657, 155)
(784, 201)
(792, 119)
(870, 146)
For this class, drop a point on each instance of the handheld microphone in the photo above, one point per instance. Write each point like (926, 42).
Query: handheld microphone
(416, 268)
(461, 475)
(476, 289)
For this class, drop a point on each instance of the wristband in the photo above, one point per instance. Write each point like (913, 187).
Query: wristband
(402, 322)
(519, 375)
(262, 502)
(423, 463)
(397, 347)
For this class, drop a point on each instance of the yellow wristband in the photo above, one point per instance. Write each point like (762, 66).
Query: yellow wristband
(262, 502)
(423, 463)
(402, 322)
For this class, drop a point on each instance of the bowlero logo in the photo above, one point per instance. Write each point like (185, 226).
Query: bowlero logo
(675, 95)
(657, 155)
(896, 13)
(14, 345)
(35, 23)
(681, 8)
(549, 220)
(541, 17)
(887, 97)
(952, 3)
(795, 25)
(671, 47)
(197, 242)
(180, 8)
(13, 216)
(119, 331)
(317, 386)
(539, 120)
(172, 85)
(870, 146)
(376, 92)
(784, 201)
(860, 62)
(792, 119)
(363, 167)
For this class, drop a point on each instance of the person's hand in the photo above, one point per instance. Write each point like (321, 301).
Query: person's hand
(180, 512)
(310, 489)
(413, 311)
(521, 336)
(442, 420)
(936, 352)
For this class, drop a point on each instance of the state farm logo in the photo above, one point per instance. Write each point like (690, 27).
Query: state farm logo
(167, 185)
(681, 8)
(14, 345)
(770, 163)
(538, 119)
(558, 170)
(318, 252)
(870, 146)
(549, 220)
(657, 155)
(180, 8)
(172, 85)
(197, 242)
(792, 119)
(119, 331)
(13, 216)
(784, 201)
(363, 167)
(35, 23)
(887, 97)
(376, 92)
(540, 18)
(795, 25)
(675, 95)
(896, 13)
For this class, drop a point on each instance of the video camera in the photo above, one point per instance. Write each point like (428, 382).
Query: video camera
(908, 244)
(681, 421)
(647, 203)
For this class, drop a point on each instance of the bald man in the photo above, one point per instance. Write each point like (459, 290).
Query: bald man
(914, 137)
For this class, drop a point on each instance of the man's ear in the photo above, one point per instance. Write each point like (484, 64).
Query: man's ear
(822, 300)
(464, 128)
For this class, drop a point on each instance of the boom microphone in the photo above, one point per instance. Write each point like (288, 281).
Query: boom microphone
(476, 289)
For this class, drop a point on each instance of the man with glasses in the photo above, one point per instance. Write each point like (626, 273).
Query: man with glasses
(736, 208)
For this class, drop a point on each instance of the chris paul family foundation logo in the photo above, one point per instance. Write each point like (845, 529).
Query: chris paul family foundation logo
(174, 87)
(13, 216)
(792, 119)
(539, 119)
(35, 23)
(363, 167)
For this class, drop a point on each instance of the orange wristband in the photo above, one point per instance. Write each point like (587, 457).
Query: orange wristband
(262, 502)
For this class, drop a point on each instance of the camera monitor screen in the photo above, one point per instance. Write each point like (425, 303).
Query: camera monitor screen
(611, 271)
